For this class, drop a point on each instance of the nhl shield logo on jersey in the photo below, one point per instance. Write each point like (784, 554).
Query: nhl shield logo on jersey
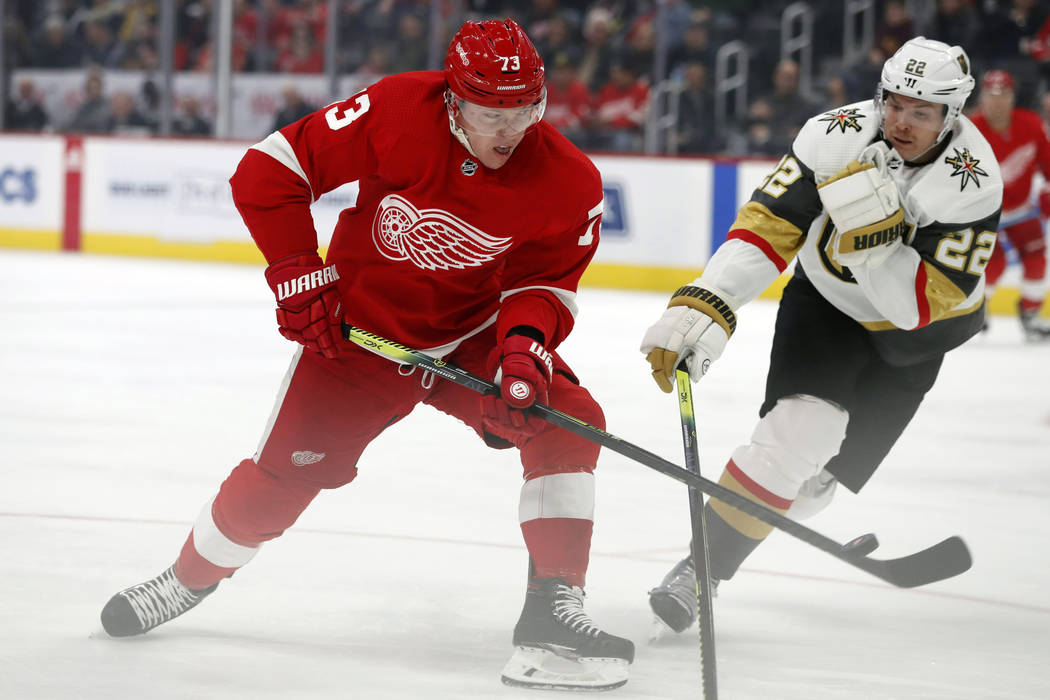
(842, 119)
(966, 167)
(431, 239)
(469, 167)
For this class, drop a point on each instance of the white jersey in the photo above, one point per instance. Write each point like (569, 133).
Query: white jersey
(928, 296)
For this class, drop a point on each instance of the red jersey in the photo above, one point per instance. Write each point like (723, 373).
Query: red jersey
(1023, 148)
(568, 107)
(437, 246)
(622, 108)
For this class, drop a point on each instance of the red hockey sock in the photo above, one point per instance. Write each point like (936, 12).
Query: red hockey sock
(559, 547)
(195, 571)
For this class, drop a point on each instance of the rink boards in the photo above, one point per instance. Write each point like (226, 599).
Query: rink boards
(171, 198)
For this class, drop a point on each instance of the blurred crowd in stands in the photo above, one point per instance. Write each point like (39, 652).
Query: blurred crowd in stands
(600, 55)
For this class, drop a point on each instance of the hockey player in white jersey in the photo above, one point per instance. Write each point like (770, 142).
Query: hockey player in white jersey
(890, 209)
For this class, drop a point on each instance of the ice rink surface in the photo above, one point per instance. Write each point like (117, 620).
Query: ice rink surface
(131, 387)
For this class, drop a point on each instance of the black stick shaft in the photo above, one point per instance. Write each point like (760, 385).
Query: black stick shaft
(943, 560)
(704, 606)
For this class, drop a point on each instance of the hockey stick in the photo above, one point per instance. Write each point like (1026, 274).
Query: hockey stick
(704, 607)
(943, 560)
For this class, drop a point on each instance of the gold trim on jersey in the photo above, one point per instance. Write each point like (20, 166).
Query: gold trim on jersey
(784, 237)
(737, 519)
(942, 296)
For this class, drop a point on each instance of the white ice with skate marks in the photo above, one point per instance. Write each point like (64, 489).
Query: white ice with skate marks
(131, 387)
(542, 669)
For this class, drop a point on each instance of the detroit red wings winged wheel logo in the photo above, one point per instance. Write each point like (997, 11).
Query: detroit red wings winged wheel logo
(431, 239)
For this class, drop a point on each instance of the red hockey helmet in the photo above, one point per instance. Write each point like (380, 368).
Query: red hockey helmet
(996, 82)
(494, 64)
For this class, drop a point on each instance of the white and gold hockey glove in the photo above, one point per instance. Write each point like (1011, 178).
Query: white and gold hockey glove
(695, 327)
(864, 204)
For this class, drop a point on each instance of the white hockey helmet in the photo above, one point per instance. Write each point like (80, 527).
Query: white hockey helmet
(928, 70)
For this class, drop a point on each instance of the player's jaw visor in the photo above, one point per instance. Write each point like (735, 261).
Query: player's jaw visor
(498, 121)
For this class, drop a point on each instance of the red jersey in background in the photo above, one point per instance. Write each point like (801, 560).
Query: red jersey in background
(1022, 150)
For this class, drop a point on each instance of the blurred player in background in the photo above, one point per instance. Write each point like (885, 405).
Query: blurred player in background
(1019, 140)
(474, 222)
(889, 208)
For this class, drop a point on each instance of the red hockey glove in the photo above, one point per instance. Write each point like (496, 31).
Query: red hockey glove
(1044, 202)
(523, 369)
(308, 306)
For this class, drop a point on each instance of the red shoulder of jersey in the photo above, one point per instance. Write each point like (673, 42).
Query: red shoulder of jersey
(542, 276)
(281, 175)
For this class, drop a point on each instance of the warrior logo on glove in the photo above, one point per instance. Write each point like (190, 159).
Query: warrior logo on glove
(863, 239)
(304, 283)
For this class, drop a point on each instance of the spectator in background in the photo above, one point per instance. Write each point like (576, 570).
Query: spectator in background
(15, 36)
(619, 110)
(599, 49)
(295, 107)
(559, 40)
(640, 51)
(303, 54)
(695, 48)
(678, 15)
(861, 77)
(191, 122)
(410, 46)
(149, 101)
(125, 119)
(376, 65)
(57, 48)
(836, 93)
(790, 106)
(568, 100)
(192, 29)
(137, 19)
(954, 23)
(1006, 30)
(895, 28)
(315, 14)
(98, 44)
(695, 129)
(93, 115)
(24, 112)
(759, 139)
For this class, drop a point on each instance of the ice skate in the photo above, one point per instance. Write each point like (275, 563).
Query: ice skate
(558, 647)
(1035, 327)
(142, 607)
(674, 600)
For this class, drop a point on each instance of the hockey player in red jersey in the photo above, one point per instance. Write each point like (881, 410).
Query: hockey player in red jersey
(1019, 140)
(889, 209)
(474, 222)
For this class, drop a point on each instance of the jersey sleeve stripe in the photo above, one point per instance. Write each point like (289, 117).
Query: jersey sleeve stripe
(760, 243)
(777, 237)
(567, 298)
(754, 490)
(277, 147)
(921, 299)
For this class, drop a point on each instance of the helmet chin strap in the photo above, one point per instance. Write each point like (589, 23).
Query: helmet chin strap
(460, 135)
(456, 129)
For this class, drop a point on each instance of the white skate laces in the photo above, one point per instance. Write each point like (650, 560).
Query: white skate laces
(146, 605)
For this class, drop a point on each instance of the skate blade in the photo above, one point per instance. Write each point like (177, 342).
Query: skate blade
(541, 669)
(660, 631)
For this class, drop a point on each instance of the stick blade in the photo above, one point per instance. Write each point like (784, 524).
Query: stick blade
(943, 560)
